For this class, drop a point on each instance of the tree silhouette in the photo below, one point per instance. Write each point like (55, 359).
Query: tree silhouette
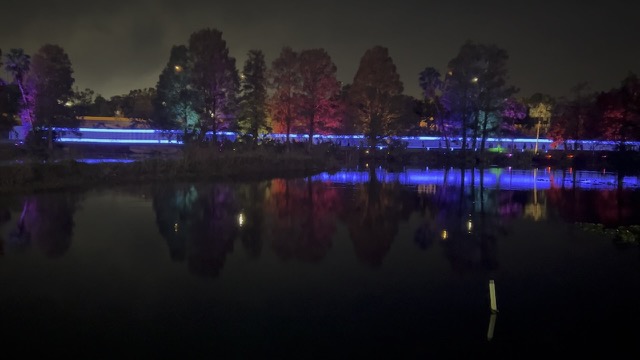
(375, 93)
(214, 78)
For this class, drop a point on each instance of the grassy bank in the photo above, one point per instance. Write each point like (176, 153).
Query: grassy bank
(197, 165)
(210, 164)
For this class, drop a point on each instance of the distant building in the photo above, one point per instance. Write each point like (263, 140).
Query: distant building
(112, 122)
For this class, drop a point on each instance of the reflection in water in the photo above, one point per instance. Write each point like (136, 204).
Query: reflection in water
(251, 198)
(611, 208)
(373, 217)
(199, 224)
(298, 217)
(5, 216)
(304, 214)
(46, 221)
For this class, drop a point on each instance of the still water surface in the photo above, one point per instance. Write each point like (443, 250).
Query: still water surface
(336, 265)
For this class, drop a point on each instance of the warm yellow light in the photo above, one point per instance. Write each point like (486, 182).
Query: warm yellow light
(241, 219)
(177, 68)
(469, 225)
(444, 235)
(474, 80)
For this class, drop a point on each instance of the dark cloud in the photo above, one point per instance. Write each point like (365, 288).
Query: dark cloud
(120, 45)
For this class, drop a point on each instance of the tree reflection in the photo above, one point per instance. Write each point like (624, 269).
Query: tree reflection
(464, 219)
(611, 208)
(199, 224)
(304, 218)
(5, 216)
(373, 217)
(46, 221)
(251, 199)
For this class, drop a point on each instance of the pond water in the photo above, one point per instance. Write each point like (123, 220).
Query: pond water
(336, 265)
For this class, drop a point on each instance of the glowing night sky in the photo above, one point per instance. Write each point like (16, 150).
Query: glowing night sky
(117, 45)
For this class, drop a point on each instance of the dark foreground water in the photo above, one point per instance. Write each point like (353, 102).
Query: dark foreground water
(345, 265)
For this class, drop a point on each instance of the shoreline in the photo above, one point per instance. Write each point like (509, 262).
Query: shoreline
(205, 165)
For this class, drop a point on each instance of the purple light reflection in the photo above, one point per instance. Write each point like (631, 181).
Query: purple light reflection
(506, 180)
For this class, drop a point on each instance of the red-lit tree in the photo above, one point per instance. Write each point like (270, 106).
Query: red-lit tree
(620, 109)
(571, 119)
(285, 82)
(319, 93)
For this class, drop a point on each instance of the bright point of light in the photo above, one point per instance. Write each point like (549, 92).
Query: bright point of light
(241, 219)
(469, 225)
(474, 80)
(175, 227)
(444, 235)
(177, 68)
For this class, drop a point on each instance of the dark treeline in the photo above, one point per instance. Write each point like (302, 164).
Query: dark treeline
(201, 89)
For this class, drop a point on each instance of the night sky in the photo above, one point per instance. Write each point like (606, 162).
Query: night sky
(118, 45)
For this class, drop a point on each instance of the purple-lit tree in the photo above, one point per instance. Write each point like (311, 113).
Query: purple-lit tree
(17, 64)
(319, 92)
(286, 84)
(50, 77)
(513, 113)
(376, 94)
(215, 79)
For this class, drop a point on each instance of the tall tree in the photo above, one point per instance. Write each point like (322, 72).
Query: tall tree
(253, 118)
(572, 117)
(476, 89)
(541, 109)
(493, 90)
(18, 64)
(461, 93)
(215, 79)
(51, 77)
(432, 87)
(376, 94)
(620, 110)
(173, 106)
(286, 83)
(319, 91)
